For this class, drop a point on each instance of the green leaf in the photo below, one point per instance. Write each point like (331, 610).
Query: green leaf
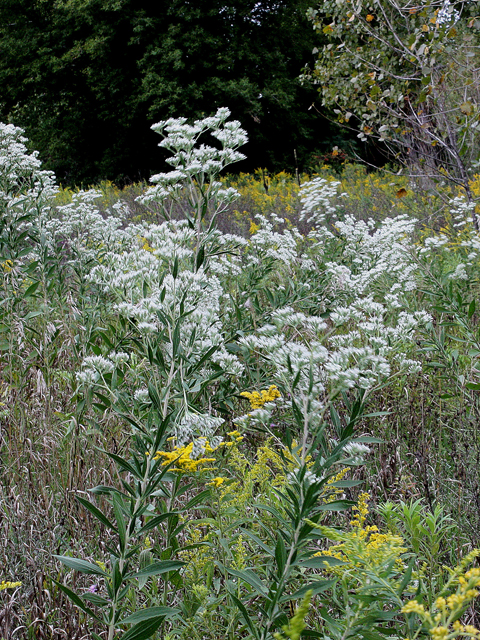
(200, 258)
(256, 539)
(175, 268)
(81, 565)
(31, 289)
(77, 601)
(117, 501)
(280, 555)
(157, 568)
(144, 629)
(406, 578)
(245, 615)
(315, 587)
(97, 513)
(147, 614)
(336, 505)
(196, 500)
(344, 484)
(122, 463)
(155, 521)
(251, 578)
(95, 599)
(321, 562)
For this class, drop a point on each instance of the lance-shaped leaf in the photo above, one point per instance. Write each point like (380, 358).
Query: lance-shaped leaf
(77, 600)
(251, 578)
(97, 513)
(143, 630)
(148, 614)
(157, 568)
(314, 587)
(81, 565)
(246, 617)
(321, 562)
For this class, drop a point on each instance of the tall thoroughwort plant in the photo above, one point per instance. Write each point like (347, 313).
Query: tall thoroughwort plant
(26, 191)
(195, 322)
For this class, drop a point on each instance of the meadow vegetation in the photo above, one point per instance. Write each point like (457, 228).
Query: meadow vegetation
(237, 406)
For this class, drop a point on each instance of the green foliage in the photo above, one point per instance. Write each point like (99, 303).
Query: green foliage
(297, 624)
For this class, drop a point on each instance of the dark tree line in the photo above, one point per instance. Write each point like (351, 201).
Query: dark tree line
(87, 78)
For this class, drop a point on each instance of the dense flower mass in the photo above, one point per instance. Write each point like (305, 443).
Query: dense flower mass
(257, 399)
(239, 374)
(442, 619)
(6, 584)
(184, 457)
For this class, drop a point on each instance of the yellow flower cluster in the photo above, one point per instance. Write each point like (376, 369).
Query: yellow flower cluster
(199, 555)
(260, 476)
(237, 437)
(182, 457)
(257, 400)
(254, 227)
(7, 266)
(333, 493)
(442, 620)
(413, 607)
(9, 585)
(241, 554)
(217, 482)
(145, 245)
(184, 463)
(281, 194)
(364, 547)
(362, 508)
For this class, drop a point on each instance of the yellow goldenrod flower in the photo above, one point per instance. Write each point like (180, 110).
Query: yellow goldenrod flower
(362, 508)
(253, 227)
(7, 266)
(182, 457)
(439, 633)
(257, 400)
(217, 482)
(9, 585)
(413, 607)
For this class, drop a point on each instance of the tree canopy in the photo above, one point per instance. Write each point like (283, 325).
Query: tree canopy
(87, 78)
(408, 74)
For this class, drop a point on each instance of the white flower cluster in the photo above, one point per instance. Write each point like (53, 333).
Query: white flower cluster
(79, 230)
(356, 451)
(199, 428)
(175, 305)
(319, 198)
(323, 362)
(462, 236)
(94, 367)
(195, 166)
(309, 477)
(25, 189)
(433, 242)
(196, 295)
(268, 243)
(372, 255)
